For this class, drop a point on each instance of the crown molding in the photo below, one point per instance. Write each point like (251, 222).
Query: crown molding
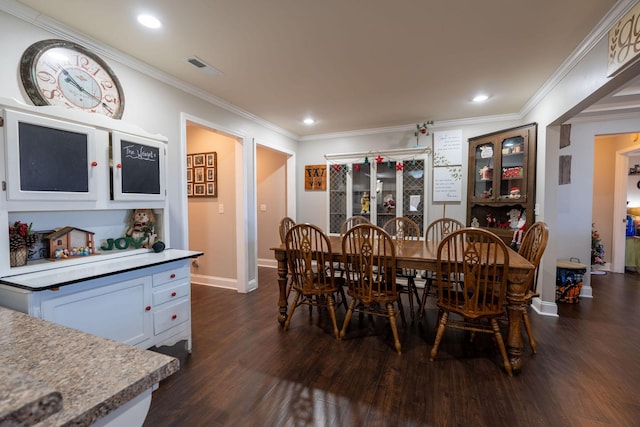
(593, 38)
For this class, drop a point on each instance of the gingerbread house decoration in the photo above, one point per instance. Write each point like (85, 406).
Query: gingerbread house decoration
(69, 242)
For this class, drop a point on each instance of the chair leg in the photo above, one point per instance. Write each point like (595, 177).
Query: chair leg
(527, 327)
(291, 310)
(347, 318)
(394, 327)
(332, 313)
(441, 327)
(503, 350)
(401, 308)
(425, 294)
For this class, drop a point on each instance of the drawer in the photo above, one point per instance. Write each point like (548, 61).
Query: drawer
(169, 293)
(171, 275)
(170, 316)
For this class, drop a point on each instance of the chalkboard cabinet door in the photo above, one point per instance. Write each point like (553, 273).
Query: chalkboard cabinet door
(49, 159)
(138, 167)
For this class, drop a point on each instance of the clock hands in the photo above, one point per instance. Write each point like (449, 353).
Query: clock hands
(69, 79)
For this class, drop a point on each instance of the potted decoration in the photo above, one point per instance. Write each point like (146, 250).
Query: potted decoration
(21, 239)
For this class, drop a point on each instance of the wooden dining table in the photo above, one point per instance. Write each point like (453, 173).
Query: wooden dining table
(421, 255)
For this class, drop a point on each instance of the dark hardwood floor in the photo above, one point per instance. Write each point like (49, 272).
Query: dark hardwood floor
(246, 371)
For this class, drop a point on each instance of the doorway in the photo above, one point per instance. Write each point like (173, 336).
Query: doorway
(216, 224)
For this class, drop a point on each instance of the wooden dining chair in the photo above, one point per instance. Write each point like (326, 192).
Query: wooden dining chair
(403, 229)
(476, 303)
(436, 231)
(352, 222)
(369, 260)
(309, 257)
(532, 248)
(284, 226)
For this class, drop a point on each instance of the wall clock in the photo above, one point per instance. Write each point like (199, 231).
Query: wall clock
(63, 73)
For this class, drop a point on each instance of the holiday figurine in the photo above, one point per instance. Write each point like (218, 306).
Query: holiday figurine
(388, 203)
(364, 202)
(517, 234)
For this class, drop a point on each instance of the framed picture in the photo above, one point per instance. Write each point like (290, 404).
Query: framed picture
(189, 161)
(198, 160)
(211, 159)
(189, 189)
(203, 175)
(199, 175)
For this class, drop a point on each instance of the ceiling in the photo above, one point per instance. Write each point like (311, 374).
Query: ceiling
(352, 65)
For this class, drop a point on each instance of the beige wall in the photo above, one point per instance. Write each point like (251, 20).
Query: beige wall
(210, 231)
(271, 192)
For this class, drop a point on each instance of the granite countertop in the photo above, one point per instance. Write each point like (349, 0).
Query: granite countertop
(91, 375)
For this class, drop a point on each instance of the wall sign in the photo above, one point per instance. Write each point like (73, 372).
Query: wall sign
(447, 184)
(202, 174)
(315, 177)
(447, 148)
(624, 44)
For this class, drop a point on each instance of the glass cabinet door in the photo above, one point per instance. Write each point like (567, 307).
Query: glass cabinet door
(337, 198)
(512, 182)
(413, 191)
(386, 195)
(483, 170)
(362, 200)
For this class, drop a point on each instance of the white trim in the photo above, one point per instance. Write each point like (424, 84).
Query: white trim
(544, 308)
(217, 282)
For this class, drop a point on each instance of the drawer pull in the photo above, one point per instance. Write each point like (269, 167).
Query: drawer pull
(147, 308)
(94, 164)
(173, 294)
(173, 275)
(174, 317)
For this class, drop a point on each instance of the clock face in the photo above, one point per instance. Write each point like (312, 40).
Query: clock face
(63, 73)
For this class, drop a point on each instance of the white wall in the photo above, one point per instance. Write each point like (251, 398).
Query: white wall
(156, 107)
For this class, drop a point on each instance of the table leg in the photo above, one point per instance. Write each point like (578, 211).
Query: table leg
(282, 285)
(516, 303)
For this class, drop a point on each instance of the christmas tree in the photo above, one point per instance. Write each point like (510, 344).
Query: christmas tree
(597, 248)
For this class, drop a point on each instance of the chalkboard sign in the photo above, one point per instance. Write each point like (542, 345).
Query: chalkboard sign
(52, 159)
(140, 168)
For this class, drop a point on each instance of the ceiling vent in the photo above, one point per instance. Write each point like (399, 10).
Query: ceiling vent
(203, 66)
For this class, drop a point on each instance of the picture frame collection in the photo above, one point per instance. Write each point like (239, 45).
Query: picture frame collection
(202, 174)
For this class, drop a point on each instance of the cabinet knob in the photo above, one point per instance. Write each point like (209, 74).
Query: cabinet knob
(173, 294)
(174, 317)
(119, 165)
(147, 308)
(173, 276)
(94, 164)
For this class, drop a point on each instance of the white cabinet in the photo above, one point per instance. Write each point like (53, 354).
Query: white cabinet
(117, 311)
(393, 188)
(148, 306)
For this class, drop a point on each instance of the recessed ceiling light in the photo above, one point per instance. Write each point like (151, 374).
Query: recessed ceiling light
(149, 21)
(308, 121)
(480, 98)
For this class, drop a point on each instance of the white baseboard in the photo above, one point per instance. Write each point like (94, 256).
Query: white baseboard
(544, 308)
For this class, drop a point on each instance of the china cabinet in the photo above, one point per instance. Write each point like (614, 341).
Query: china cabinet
(501, 186)
(378, 191)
